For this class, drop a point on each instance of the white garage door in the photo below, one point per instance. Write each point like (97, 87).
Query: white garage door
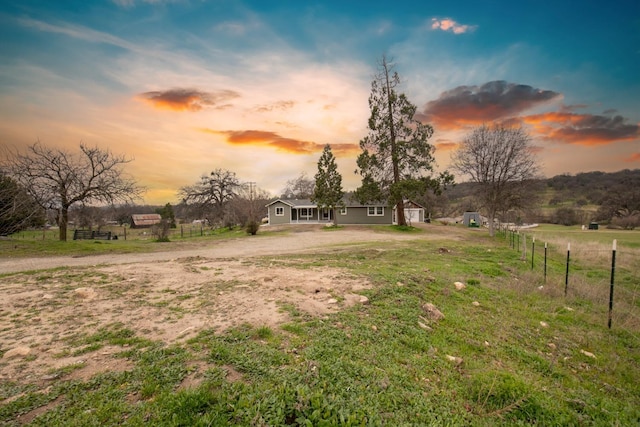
(412, 215)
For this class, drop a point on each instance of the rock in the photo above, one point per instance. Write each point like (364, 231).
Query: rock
(552, 346)
(486, 344)
(21, 351)
(399, 284)
(476, 304)
(459, 286)
(374, 327)
(47, 296)
(432, 312)
(540, 288)
(544, 324)
(425, 327)
(332, 301)
(85, 293)
(363, 300)
(588, 354)
(568, 308)
(457, 360)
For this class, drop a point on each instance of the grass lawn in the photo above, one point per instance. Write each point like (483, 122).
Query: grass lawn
(506, 352)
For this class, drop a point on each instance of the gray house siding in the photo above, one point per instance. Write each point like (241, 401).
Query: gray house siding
(358, 215)
(279, 219)
(306, 212)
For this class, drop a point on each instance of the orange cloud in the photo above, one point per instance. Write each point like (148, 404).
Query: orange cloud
(474, 105)
(445, 145)
(273, 140)
(582, 129)
(276, 106)
(633, 158)
(187, 99)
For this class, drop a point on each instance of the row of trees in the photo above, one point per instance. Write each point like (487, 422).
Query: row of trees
(396, 164)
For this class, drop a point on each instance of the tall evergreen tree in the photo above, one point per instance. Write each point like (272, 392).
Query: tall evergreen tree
(396, 160)
(328, 193)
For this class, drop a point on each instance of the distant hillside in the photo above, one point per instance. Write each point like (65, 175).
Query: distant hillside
(566, 199)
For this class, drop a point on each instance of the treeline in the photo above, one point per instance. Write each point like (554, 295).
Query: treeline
(611, 198)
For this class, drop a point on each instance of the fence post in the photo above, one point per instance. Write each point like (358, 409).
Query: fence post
(545, 262)
(613, 269)
(518, 247)
(181, 231)
(566, 275)
(524, 247)
(125, 232)
(533, 250)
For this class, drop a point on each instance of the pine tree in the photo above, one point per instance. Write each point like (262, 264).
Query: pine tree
(328, 189)
(396, 159)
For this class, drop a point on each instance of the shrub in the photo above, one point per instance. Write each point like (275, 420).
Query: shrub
(253, 227)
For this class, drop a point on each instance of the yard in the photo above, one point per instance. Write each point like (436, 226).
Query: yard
(307, 325)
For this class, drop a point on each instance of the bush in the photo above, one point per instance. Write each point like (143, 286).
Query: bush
(253, 227)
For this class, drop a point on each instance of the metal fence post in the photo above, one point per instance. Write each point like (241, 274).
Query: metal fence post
(533, 250)
(613, 270)
(545, 262)
(566, 275)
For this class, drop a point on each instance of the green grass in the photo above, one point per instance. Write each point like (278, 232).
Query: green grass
(31, 244)
(375, 364)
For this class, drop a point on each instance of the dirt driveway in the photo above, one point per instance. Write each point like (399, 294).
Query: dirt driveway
(164, 296)
(299, 239)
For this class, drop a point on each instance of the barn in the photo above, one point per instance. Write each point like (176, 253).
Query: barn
(145, 220)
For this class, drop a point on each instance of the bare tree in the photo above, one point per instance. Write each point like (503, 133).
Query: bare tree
(299, 188)
(18, 210)
(57, 179)
(501, 160)
(211, 196)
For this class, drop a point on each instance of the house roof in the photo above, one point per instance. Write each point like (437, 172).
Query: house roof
(146, 219)
(307, 203)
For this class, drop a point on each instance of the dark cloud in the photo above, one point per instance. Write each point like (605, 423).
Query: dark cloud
(610, 111)
(273, 140)
(188, 99)
(582, 129)
(471, 105)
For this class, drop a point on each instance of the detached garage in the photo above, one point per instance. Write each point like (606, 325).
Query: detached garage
(413, 213)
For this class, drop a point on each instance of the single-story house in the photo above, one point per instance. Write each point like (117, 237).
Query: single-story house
(304, 211)
(145, 220)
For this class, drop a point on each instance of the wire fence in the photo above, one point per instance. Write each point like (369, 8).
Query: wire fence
(604, 277)
(182, 231)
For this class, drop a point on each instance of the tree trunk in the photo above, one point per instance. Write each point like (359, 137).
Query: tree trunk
(335, 217)
(492, 216)
(401, 220)
(62, 223)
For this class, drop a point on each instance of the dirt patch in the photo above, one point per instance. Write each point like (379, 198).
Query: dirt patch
(44, 315)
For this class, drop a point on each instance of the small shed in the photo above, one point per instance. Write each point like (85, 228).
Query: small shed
(469, 218)
(145, 220)
(593, 225)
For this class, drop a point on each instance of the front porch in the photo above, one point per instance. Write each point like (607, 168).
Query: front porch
(310, 215)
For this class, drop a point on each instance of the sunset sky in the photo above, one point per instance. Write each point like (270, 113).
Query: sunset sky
(259, 87)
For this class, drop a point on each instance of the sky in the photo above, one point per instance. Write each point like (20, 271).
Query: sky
(183, 87)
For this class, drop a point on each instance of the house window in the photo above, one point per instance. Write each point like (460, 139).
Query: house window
(279, 211)
(343, 210)
(305, 212)
(375, 211)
